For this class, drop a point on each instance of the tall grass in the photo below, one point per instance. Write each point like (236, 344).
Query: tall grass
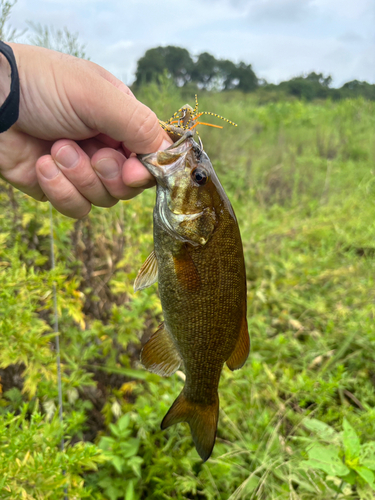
(301, 180)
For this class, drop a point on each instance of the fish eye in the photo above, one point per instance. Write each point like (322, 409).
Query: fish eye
(199, 176)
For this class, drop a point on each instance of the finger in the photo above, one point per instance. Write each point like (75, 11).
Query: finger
(19, 153)
(108, 141)
(116, 114)
(59, 190)
(75, 164)
(91, 146)
(135, 175)
(108, 164)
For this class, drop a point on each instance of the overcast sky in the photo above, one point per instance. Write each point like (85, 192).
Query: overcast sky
(280, 38)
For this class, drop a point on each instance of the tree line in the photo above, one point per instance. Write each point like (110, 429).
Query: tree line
(206, 72)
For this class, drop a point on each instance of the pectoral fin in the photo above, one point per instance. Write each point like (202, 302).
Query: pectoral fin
(159, 355)
(148, 274)
(241, 351)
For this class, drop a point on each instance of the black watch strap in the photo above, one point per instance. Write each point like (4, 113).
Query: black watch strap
(10, 109)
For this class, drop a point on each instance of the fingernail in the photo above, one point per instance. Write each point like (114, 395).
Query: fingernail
(67, 157)
(165, 144)
(108, 168)
(49, 170)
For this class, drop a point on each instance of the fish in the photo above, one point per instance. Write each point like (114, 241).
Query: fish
(198, 263)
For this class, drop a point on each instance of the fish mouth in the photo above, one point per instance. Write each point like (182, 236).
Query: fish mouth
(165, 163)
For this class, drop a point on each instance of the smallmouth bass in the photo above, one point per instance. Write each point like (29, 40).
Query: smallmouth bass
(199, 265)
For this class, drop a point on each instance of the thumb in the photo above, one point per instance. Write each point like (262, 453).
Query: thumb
(106, 108)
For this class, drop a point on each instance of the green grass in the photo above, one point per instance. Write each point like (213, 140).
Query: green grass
(301, 180)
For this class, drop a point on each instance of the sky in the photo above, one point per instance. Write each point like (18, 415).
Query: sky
(279, 38)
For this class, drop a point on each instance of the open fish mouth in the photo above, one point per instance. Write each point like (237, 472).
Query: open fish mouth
(165, 163)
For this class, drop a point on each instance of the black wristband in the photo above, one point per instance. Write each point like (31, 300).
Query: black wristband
(10, 109)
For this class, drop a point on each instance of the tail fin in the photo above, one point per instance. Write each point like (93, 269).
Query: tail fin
(201, 418)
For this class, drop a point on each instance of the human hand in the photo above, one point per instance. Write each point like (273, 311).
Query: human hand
(77, 128)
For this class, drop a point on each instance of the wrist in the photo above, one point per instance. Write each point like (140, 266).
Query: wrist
(9, 110)
(5, 78)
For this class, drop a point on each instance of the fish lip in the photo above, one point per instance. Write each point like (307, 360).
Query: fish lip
(178, 150)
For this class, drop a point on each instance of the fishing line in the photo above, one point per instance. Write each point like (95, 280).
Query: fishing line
(57, 337)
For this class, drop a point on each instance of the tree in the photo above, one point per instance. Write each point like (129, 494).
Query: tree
(356, 88)
(319, 78)
(247, 80)
(228, 74)
(238, 76)
(175, 61)
(205, 70)
(309, 87)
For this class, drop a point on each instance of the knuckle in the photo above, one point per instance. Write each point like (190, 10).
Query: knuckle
(87, 183)
(148, 130)
(65, 197)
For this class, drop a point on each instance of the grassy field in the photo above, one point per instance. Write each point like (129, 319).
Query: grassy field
(298, 421)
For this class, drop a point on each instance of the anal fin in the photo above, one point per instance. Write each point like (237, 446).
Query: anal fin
(148, 274)
(159, 355)
(242, 348)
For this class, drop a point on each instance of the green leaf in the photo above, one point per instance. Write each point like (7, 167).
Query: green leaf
(112, 492)
(114, 430)
(326, 459)
(118, 463)
(106, 443)
(368, 463)
(135, 463)
(123, 422)
(352, 444)
(130, 491)
(367, 457)
(366, 474)
(130, 448)
(128, 372)
(352, 477)
(323, 430)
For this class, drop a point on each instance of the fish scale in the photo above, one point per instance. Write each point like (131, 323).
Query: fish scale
(200, 270)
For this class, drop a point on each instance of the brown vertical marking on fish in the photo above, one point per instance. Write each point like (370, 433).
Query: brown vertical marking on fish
(186, 272)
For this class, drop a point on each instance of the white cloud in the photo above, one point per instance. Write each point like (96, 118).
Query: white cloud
(280, 38)
(281, 11)
(346, 9)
